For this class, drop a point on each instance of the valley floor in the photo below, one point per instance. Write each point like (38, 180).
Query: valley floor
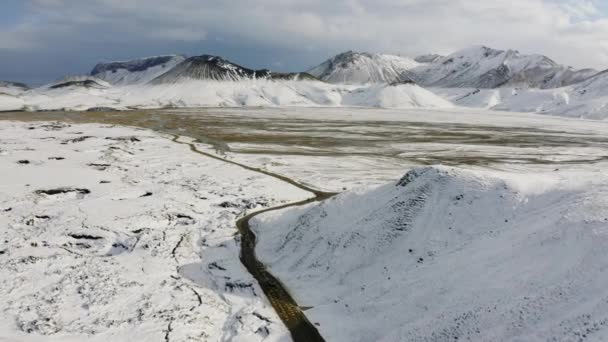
(110, 232)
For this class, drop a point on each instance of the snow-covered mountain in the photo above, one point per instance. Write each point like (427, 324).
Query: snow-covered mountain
(476, 67)
(477, 77)
(137, 71)
(354, 67)
(207, 67)
(446, 254)
(483, 67)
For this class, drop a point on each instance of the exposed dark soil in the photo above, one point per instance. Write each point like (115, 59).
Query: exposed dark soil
(58, 191)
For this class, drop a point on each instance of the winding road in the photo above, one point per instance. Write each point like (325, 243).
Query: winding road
(301, 329)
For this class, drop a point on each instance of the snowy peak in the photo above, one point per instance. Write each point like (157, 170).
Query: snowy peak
(137, 71)
(484, 67)
(208, 67)
(363, 67)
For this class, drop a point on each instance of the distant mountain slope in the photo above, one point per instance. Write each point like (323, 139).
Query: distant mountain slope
(394, 96)
(446, 254)
(430, 58)
(86, 93)
(483, 67)
(476, 67)
(8, 84)
(12, 88)
(10, 102)
(354, 67)
(208, 67)
(587, 99)
(137, 71)
(79, 81)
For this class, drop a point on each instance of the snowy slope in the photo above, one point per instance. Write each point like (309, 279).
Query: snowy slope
(353, 67)
(483, 67)
(137, 71)
(446, 254)
(587, 99)
(246, 92)
(394, 96)
(12, 88)
(10, 93)
(10, 102)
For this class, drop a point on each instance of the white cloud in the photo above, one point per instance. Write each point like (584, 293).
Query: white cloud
(571, 31)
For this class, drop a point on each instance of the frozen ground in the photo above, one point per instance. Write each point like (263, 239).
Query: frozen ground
(334, 148)
(118, 234)
(344, 148)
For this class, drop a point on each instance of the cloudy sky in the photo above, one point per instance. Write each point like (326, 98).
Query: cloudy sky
(41, 40)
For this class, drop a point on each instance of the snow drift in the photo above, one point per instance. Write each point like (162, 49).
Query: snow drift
(446, 254)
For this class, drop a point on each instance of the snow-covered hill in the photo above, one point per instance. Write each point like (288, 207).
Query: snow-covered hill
(137, 71)
(246, 92)
(394, 96)
(450, 255)
(10, 95)
(354, 67)
(12, 88)
(587, 99)
(483, 67)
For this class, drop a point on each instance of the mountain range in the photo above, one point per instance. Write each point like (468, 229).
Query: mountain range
(479, 77)
(476, 67)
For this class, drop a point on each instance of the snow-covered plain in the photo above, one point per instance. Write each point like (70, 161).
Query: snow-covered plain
(118, 234)
(446, 254)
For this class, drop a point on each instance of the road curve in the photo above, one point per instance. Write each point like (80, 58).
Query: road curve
(301, 329)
